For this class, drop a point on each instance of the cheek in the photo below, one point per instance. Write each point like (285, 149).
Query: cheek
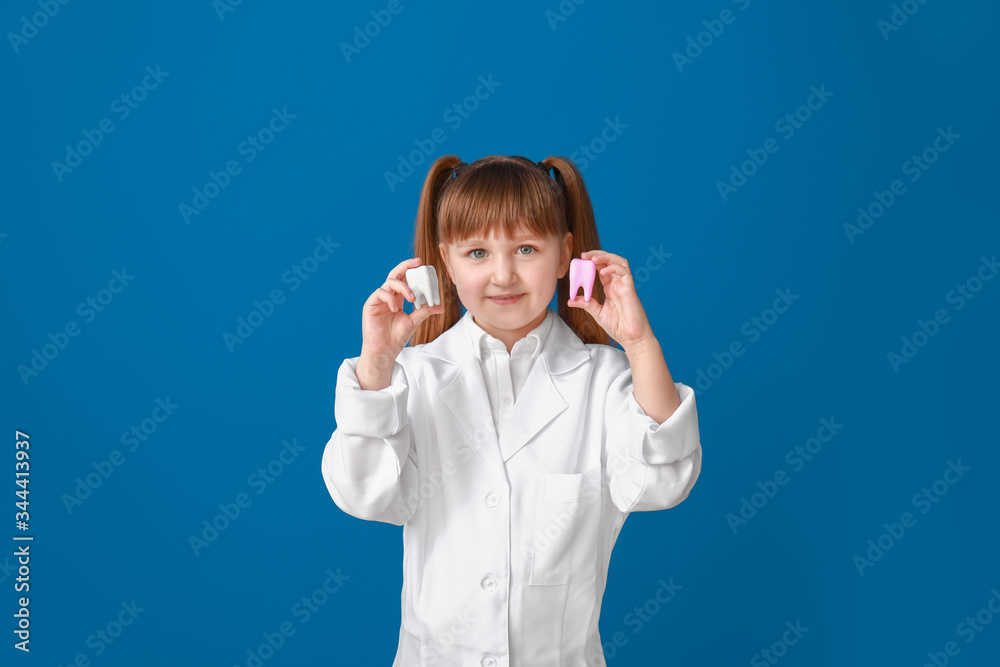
(545, 275)
(468, 281)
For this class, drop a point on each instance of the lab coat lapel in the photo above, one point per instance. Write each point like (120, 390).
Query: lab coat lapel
(538, 403)
(546, 390)
(541, 399)
(465, 396)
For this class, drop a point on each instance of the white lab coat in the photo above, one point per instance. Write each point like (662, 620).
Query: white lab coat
(506, 541)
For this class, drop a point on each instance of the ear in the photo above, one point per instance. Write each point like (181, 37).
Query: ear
(565, 254)
(443, 251)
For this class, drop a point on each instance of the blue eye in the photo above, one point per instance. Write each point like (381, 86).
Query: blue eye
(476, 250)
(532, 248)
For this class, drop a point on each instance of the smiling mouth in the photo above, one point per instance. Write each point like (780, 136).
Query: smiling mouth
(505, 298)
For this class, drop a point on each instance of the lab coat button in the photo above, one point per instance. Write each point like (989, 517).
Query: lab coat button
(506, 400)
(489, 661)
(488, 583)
(492, 500)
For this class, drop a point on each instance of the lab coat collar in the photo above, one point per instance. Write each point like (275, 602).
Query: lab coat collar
(540, 400)
(483, 342)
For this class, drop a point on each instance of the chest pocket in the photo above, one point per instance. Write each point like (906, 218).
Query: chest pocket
(566, 528)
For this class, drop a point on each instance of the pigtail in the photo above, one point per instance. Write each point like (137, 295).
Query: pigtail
(425, 246)
(580, 219)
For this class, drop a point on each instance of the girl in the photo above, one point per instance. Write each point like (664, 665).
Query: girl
(511, 441)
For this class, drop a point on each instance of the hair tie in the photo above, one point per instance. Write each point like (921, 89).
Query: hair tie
(456, 168)
(544, 166)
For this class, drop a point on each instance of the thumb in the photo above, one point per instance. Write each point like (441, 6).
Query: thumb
(420, 314)
(591, 306)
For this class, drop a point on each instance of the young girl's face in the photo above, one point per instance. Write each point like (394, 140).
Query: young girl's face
(507, 284)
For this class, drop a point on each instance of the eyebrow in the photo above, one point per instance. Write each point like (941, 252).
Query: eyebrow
(472, 242)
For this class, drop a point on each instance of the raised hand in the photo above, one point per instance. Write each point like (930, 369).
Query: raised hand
(386, 327)
(621, 315)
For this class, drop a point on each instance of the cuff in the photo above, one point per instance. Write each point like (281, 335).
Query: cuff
(372, 413)
(674, 439)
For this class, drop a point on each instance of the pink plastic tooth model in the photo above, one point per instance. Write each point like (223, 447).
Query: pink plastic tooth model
(581, 274)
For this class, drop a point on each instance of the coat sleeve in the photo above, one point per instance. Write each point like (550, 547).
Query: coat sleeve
(653, 466)
(369, 465)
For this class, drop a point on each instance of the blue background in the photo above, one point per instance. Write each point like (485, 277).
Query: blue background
(653, 187)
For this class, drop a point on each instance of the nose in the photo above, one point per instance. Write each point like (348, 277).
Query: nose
(503, 271)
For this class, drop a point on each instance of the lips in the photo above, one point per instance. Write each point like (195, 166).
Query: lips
(504, 299)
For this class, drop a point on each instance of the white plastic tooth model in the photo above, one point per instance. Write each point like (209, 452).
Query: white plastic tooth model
(423, 282)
